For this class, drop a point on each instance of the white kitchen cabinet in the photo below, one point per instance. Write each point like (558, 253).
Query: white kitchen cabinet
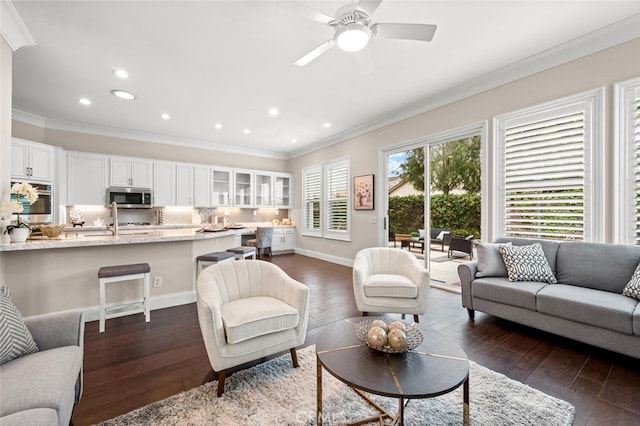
(86, 178)
(243, 182)
(130, 172)
(283, 240)
(184, 184)
(263, 189)
(222, 186)
(164, 183)
(282, 190)
(202, 186)
(31, 161)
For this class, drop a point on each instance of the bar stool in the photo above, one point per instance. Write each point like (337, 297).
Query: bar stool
(205, 260)
(111, 274)
(243, 252)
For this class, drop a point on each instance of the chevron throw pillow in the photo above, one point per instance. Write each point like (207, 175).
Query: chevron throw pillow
(632, 289)
(527, 263)
(15, 339)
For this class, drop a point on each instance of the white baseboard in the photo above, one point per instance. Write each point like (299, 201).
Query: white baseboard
(92, 313)
(326, 257)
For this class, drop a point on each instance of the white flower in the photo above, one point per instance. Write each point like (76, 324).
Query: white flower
(25, 190)
(7, 208)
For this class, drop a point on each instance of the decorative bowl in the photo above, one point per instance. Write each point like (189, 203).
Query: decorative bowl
(414, 336)
(51, 231)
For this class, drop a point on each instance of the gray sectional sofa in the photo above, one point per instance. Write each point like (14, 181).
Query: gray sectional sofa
(586, 304)
(42, 388)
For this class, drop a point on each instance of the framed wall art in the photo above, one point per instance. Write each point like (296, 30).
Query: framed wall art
(363, 192)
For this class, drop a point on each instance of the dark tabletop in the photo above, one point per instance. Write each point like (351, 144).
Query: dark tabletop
(434, 368)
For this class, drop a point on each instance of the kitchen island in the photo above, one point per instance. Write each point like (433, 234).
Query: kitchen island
(52, 275)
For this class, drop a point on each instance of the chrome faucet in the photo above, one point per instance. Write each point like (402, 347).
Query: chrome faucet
(115, 230)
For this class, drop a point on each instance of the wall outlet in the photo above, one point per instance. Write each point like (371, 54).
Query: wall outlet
(157, 281)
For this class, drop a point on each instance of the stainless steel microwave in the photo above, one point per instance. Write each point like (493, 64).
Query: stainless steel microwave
(130, 198)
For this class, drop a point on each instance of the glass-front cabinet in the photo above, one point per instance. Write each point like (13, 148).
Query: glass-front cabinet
(282, 190)
(243, 180)
(263, 190)
(221, 188)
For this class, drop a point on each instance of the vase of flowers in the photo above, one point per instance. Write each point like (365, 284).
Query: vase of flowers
(19, 230)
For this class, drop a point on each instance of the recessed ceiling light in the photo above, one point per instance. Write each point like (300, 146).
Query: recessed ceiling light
(294, 140)
(273, 112)
(218, 126)
(165, 116)
(121, 73)
(246, 131)
(123, 94)
(84, 101)
(326, 125)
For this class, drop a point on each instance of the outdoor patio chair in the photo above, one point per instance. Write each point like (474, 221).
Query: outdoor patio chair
(464, 245)
(440, 236)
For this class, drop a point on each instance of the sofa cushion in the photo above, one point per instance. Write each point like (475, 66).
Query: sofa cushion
(390, 285)
(251, 317)
(632, 289)
(36, 416)
(15, 338)
(636, 320)
(44, 379)
(490, 261)
(549, 247)
(594, 307)
(501, 290)
(526, 263)
(599, 266)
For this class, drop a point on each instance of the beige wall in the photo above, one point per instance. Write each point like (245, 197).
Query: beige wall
(601, 69)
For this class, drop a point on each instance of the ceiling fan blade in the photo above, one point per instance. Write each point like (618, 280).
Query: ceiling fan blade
(365, 61)
(310, 56)
(420, 32)
(368, 6)
(312, 14)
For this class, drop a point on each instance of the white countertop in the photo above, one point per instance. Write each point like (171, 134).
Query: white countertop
(127, 236)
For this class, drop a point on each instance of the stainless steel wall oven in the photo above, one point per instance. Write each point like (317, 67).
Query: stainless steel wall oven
(40, 212)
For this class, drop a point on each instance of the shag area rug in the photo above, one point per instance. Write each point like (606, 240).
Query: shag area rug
(275, 393)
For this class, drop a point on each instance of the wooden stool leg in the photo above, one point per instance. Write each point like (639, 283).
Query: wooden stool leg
(416, 318)
(294, 357)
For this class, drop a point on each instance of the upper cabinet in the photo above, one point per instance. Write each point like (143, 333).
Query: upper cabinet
(164, 183)
(184, 184)
(31, 161)
(202, 186)
(87, 178)
(263, 189)
(243, 182)
(282, 190)
(130, 172)
(222, 187)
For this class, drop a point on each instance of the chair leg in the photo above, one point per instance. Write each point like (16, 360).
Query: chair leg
(221, 376)
(364, 314)
(294, 357)
(416, 319)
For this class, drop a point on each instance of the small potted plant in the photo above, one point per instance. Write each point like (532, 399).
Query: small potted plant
(19, 231)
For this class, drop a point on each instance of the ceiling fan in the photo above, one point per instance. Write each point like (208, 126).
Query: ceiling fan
(353, 29)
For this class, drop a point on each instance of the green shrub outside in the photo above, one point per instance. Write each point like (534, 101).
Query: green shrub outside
(458, 212)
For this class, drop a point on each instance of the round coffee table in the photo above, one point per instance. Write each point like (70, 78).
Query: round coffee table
(434, 368)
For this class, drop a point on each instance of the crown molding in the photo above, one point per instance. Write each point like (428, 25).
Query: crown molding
(27, 117)
(12, 28)
(603, 38)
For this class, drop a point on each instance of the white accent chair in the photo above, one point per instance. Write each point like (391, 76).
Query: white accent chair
(248, 310)
(390, 280)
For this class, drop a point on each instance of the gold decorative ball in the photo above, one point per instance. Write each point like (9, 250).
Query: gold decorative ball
(379, 323)
(397, 339)
(377, 337)
(398, 325)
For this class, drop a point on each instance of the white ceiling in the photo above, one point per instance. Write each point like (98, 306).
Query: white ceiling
(204, 62)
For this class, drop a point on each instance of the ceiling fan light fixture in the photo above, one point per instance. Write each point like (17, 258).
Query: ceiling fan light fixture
(353, 37)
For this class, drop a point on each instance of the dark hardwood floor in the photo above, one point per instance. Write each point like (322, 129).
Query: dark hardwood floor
(134, 363)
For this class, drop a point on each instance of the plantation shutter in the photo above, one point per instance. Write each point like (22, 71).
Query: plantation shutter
(311, 193)
(337, 199)
(636, 133)
(545, 175)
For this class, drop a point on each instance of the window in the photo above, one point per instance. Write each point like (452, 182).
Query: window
(627, 139)
(311, 193)
(326, 200)
(549, 158)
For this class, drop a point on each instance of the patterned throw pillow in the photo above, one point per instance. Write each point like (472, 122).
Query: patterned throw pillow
(632, 289)
(15, 339)
(527, 263)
